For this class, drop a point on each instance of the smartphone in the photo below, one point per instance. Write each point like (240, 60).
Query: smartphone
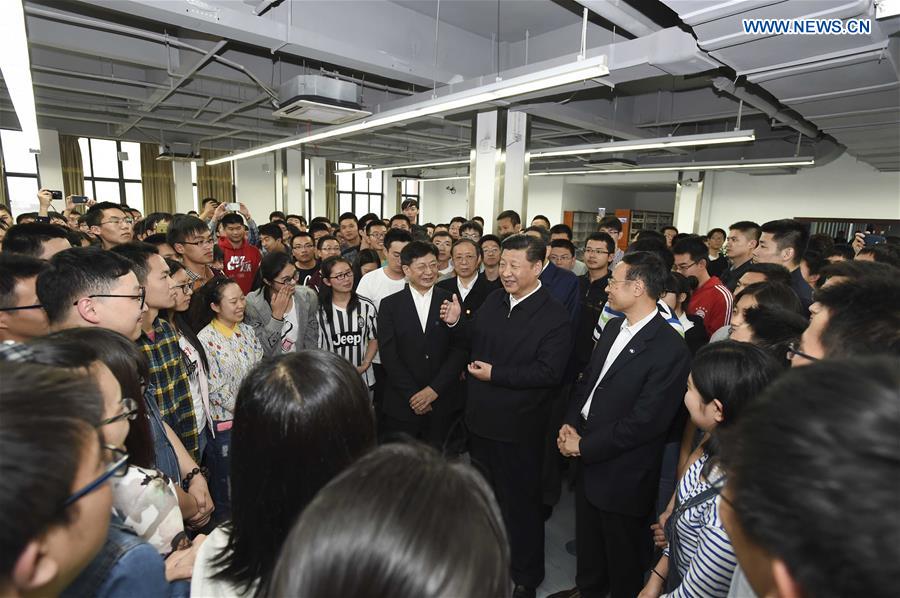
(56, 194)
(80, 199)
(233, 207)
(874, 239)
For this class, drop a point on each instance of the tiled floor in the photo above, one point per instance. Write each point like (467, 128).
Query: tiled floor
(559, 565)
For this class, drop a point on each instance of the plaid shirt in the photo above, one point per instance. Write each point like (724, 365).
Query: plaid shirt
(170, 384)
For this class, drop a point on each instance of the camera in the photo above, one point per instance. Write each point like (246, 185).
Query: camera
(56, 195)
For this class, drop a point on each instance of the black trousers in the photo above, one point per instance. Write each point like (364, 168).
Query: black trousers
(612, 549)
(514, 472)
(431, 428)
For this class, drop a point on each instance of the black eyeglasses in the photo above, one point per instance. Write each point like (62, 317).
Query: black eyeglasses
(117, 468)
(142, 295)
(129, 412)
(793, 350)
(342, 275)
(289, 279)
(209, 241)
(35, 306)
(186, 288)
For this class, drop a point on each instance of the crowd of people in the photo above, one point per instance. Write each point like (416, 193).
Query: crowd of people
(200, 405)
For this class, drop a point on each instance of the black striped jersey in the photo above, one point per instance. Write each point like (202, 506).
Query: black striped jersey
(349, 336)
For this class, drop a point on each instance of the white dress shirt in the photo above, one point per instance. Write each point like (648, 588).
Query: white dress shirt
(626, 334)
(514, 302)
(423, 304)
(463, 289)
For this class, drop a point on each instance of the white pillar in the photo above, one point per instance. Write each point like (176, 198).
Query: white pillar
(486, 168)
(184, 187)
(318, 191)
(50, 163)
(688, 201)
(295, 192)
(515, 168)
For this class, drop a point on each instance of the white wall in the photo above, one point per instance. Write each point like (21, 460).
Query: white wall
(255, 186)
(844, 188)
(50, 163)
(438, 205)
(545, 195)
(184, 187)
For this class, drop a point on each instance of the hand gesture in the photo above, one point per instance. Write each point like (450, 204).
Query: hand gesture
(451, 310)
(281, 301)
(422, 400)
(200, 491)
(244, 212)
(180, 564)
(44, 198)
(659, 529)
(208, 210)
(569, 441)
(859, 241)
(220, 212)
(480, 370)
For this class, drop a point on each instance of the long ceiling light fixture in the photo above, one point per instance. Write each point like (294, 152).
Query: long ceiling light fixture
(440, 178)
(771, 163)
(16, 67)
(581, 70)
(402, 166)
(645, 144)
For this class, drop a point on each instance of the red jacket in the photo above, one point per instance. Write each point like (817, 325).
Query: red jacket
(240, 264)
(712, 302)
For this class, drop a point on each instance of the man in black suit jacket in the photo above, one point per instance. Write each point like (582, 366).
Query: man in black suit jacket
(520, 341)
(421, 355)
(471, 287)
(561, 283)
(617, 423)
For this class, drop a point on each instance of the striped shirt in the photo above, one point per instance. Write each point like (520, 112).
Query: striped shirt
(706, 558)
(170, 382)
(609, 313)
(349, 336)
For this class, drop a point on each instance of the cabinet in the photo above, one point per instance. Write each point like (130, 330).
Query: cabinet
(634, 221)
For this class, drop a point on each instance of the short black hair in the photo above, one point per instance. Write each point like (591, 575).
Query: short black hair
(232, 218)
(317, 226)
(297, 217)
(459, 219)
(535, 249)
(415, 250)
(808, 471)
(774, 329)
(157, 239)
(75, 273)
(713, 231)
(772, 294)
(562, 229)
(396, 235)
(348, 216)
(400, 217)
(28, 239)
(748, 227)
(863, 317)
(610, 222)
(841, 249)
(13, 268)
(277, 214)
(325, 238)
(565, 244)
(271, 229)
(853, 269)
(815, 261)
(207, 200)
(381, 529)
(138, 253)
(479, 220)
(409, 203)
(182, 227)
(302, 233)
(656, 246)
(693, 247)
(669, 227)
(772, 272)
(489, 238)
(512, 215)
(882, 253)
(441, 233)
(466, 241)
(649, 233)
(372, 223)
(788, 233)
(647, 267)
(544, 218)
(94, 215)
(603, 238)
(472, 225)
(541, 231)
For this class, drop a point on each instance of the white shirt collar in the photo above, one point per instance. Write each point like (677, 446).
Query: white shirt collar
(685, 321)
(633, 329)
(514, 302)
(459, 282)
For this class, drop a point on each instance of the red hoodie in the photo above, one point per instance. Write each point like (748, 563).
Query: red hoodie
(240, 264)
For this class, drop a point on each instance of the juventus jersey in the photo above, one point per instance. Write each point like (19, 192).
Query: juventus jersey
(349, 336)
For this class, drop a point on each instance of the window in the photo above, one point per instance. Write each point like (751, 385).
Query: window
(106, 177)
(409, 189)
(359, 192)
(20, 168)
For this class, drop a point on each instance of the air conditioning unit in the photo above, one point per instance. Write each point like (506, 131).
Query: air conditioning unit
(167, 154)
(319, 99)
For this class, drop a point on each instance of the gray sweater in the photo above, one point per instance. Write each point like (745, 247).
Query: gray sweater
(268, 329)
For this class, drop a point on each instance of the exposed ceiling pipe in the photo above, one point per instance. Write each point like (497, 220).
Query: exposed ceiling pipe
(622, 15)
(763, 105)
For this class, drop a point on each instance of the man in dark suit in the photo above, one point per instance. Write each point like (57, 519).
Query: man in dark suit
(520, 341)
(471, 287)
(617, 422)
(562, 284)
(420, 354)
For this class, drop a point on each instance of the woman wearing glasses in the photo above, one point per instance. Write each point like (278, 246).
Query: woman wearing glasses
(698, 559)
(232, 349)
(347, 321)
(281, 312)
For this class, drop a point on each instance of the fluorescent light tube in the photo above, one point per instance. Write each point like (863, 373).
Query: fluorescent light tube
(687, 166)
(402, 166)
(524, 84)
(441, 178)
(16, 68)
(645, 144)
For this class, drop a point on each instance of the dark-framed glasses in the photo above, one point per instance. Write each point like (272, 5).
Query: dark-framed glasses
(21, 307)
(206, 241)
(342, 275)
(186, 288)
(129, 412)
(793, 350)
(118, 467)
(685, 267)
(295, 277)
(118, 221)
(142, 295)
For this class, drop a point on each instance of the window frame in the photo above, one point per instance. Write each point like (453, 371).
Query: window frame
(7, 200)
(121, 180)
(354, 193)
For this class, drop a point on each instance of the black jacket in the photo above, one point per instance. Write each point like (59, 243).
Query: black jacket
(632, 410)
(563, 285)
(480, 291)
(527, 348)
(412, 359)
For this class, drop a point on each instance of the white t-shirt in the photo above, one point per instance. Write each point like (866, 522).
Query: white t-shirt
(290, 330)
(376, 286)
(198, 382)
